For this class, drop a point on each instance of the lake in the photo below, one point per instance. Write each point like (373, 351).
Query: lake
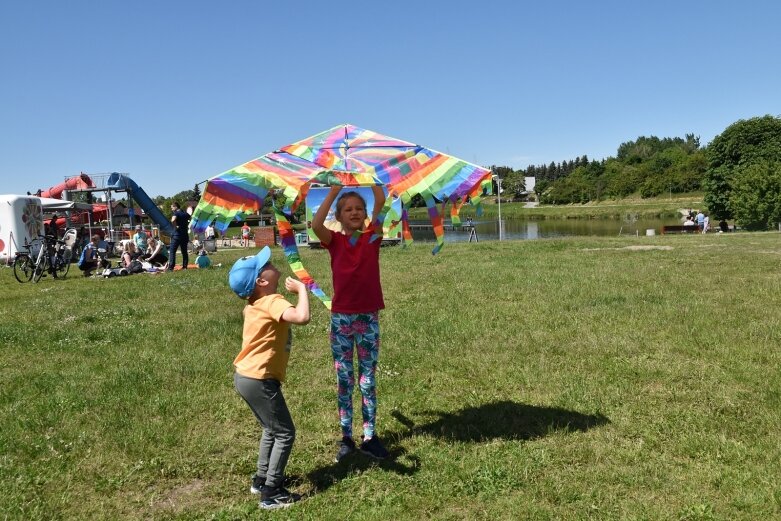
(518, 229)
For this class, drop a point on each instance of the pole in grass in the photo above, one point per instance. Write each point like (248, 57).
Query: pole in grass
(499, 194)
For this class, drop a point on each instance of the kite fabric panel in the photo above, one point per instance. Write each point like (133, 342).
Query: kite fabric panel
(345, 155)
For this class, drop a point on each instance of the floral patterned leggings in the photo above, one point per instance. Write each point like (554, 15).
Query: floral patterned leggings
(361, 330)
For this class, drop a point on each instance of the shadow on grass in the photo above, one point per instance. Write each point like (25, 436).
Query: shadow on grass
(501, 420)
(399, 462)
(498, 420)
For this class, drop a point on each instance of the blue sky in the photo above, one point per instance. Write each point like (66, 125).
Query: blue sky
(173, 93)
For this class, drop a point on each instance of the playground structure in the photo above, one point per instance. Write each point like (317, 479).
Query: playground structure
(24, 218)
(104, 211)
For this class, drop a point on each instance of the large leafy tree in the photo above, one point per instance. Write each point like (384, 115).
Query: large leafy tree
(734, 153)
(756, 195)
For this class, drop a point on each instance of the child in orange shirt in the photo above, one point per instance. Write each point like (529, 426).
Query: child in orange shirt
(261, 366)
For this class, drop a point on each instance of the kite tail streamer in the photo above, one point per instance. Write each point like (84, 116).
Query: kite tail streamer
(406, 233)
(436, 221)
(484, 187)
(288, 240)
(455, 208)
(353, 240)
(379, 219)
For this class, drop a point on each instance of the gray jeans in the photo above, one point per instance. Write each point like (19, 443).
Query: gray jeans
(265, 399)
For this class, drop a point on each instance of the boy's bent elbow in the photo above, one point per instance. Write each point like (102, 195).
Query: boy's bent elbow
(295, 316)
(301, 321)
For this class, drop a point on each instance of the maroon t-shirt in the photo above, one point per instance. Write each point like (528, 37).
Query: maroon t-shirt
(356, 273)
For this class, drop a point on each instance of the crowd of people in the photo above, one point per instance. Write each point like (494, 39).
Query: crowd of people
(142, 252)
(701, 221)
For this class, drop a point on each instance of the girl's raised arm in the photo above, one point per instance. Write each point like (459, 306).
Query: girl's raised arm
(318, 221)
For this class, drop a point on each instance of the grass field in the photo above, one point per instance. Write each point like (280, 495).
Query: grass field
(586, 378)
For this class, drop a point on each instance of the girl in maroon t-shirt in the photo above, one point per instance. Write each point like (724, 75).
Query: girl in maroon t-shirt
(354, 310)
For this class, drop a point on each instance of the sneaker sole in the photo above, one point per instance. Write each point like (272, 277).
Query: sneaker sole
(275, 506)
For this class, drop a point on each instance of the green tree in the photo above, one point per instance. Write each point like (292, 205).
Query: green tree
(514, 183)
(622, 180)
(540, 186)
(575, 188)
(755, 197)
(744, 143)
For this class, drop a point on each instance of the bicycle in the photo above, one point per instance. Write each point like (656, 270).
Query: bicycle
(27, 262)
(24, 265)
(56, 263)
(61, 261)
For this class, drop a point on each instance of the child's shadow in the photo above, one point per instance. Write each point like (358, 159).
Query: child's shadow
(501, 420)
(498, 420)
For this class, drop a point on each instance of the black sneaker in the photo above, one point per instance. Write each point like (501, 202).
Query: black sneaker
(346, 446)
(257, 484)
(373, 448)
(259, 481)
(280, 497)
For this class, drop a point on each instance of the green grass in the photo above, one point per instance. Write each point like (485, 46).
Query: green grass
(586, 378)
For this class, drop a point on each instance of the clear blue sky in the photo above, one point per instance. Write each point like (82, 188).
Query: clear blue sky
(175, 92)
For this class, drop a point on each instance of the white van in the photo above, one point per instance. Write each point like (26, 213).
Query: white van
(21, 220)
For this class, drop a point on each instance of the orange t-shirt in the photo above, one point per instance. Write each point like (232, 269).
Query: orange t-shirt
(266, 339)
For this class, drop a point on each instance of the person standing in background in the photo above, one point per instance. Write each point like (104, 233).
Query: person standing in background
(181, 222)
(140, 238)
(245, 235)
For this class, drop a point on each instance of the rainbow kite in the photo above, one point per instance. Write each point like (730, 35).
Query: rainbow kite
(346, 156)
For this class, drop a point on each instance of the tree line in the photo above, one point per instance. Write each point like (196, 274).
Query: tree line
(648, 166)
(739, 173)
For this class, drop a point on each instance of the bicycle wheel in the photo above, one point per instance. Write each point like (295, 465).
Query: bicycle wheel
(41, 268)
(23, 268)
(61, 266)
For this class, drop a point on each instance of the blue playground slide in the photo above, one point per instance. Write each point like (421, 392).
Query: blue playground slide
(122, 182)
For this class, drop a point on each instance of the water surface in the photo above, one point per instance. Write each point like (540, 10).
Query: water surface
(517, 229)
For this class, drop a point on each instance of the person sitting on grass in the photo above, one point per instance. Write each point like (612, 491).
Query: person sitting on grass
(261, 366)
(131, 259)
(129, 254)
(156, 253)
(202, 260)
(90, 260)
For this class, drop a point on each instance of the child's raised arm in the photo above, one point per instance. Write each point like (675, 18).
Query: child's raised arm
(318, 221)
(300, 313)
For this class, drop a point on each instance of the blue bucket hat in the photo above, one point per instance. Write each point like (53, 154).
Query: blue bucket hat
(245, 271)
